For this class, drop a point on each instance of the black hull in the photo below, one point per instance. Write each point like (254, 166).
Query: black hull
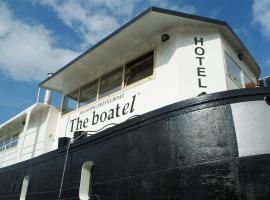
(184, 151)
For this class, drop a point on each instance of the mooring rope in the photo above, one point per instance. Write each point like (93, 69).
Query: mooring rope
(65, 164)
(69, 143)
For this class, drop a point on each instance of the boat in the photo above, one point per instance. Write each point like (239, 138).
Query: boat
(169, 106)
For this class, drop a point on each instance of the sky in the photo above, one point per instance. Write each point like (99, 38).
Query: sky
(41, 36)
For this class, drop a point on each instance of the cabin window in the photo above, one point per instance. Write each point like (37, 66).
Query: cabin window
(86, 180)
(111, 82)
(233, 70)
(24, 188)
(70, 102)
(248, 82)
(88, 93)
(139, 68)
(237, 77)
(8, 143)
(134, 71)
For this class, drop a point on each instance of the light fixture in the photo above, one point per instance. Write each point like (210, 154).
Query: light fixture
(165, 37)
(241, 56)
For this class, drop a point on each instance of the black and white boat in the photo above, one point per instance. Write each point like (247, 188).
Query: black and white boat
(167, 107)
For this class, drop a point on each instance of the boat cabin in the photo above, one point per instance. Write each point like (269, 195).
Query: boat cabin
(158, 58)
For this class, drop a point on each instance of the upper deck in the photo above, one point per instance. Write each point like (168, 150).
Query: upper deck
(159, 58)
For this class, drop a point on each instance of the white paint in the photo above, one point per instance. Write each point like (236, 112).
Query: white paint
(175, 79)
(251, 121)
(24, 188)
(33, 138)
(86, 180)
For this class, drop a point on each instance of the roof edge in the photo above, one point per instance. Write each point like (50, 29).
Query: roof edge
(159, 10)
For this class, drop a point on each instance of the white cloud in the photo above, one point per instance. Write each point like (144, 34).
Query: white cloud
(261, 14)
(28, 52)
(95, 19)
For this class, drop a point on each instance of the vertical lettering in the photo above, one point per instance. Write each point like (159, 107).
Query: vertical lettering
(200, 83)
(200, 60)
(199, 51)
(201, 71)
(198, 41)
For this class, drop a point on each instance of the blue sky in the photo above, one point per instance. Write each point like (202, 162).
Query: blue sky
(41, 36)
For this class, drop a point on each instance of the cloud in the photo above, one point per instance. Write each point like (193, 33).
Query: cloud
(28, 52)
(261, 15)
(95, 19)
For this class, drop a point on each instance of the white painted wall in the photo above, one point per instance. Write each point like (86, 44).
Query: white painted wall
(251, 121)
(8, 157)
(175, 79)
(37, 136)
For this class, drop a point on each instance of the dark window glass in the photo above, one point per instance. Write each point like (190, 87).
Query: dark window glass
(139, 69)
(234, 71)
(88, 93)
(70, 102)
(111, 82)
(8, 143)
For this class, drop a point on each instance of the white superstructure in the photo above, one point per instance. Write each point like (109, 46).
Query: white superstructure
(156, 60)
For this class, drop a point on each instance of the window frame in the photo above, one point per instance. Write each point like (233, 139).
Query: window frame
(242, 84)
(7, 145)
(123, 86)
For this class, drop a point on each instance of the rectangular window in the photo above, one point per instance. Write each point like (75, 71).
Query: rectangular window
(134, 71)
(8, 143)
(139, 68)
(248, 82)
(88, 93)
(233, 70)
(111, 82)
(70, 102)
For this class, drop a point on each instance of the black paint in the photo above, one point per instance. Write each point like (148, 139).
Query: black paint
(185, 151)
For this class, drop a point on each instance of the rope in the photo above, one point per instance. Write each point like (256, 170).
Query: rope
(69, 143)
(65, 164)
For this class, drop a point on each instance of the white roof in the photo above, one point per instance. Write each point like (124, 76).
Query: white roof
(114, 50)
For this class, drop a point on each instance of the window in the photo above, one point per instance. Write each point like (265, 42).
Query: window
(8, 143)
(111, 82)
(139, 69)
(86, 180)
(233, 70)
(248, 82)
(134, 71)
(237, 77)
(88, 93)
(70, 102)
